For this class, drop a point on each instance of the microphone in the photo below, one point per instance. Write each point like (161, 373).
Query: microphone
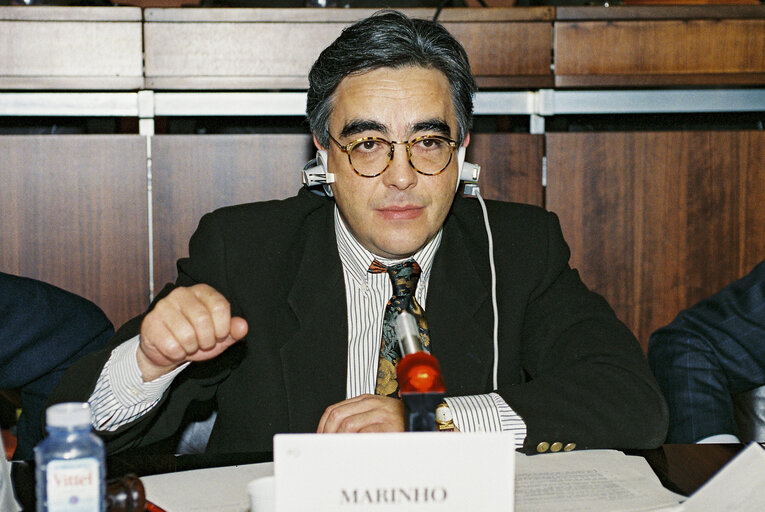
(419, 377)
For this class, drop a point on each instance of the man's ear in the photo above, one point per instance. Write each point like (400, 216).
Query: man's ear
(318, 145)
(465, 142)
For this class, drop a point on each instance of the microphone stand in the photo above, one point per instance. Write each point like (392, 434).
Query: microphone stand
(419, 378)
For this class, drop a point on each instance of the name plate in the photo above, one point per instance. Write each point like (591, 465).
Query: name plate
(400, 471)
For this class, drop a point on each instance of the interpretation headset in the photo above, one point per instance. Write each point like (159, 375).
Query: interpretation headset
(315, 174)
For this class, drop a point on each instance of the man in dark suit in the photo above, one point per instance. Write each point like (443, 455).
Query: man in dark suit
(43, 330)
(276, 316)
(709, 353)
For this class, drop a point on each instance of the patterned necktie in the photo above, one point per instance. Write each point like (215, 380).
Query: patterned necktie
(404, 277)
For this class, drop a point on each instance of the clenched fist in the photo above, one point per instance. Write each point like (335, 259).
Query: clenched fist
(190, 324)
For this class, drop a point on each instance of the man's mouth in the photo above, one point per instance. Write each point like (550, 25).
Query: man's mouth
(405, 212)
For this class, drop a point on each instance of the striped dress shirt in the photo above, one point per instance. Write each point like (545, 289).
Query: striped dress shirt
(121, 395)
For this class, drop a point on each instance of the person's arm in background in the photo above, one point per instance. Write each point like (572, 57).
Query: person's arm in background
(708, 353)
(43, 331)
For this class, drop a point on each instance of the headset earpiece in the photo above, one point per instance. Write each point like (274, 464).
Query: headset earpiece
(315, 173)
(468, 172)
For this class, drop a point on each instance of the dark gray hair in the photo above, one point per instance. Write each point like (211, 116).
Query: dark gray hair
(389, 39)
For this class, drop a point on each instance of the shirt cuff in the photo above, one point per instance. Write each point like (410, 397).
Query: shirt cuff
(125, 377)
(486, 413)
(719, 439)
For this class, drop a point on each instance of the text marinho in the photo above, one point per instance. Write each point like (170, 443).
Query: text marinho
(394, 495)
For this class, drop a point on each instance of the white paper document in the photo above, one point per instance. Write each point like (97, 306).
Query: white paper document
(205, 490)
(737, 487)
(592, 481)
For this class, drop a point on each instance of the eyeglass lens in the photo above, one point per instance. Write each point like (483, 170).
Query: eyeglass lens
(429, 155)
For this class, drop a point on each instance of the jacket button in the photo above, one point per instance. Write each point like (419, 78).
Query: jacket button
(543, 447)
(556, 446)
(569, 447)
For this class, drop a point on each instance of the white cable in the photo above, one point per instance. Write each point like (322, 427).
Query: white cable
(477, 193)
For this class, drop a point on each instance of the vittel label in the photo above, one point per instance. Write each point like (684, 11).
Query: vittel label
(73, 485)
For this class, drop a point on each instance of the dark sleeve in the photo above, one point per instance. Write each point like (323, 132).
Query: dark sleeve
(708, 353)
(44, 330)
(586, 378)
(195, 384)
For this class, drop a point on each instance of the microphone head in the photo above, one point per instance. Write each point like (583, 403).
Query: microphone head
(419, 373)
(408, 334)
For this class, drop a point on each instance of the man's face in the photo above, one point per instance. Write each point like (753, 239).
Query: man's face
(395, 214)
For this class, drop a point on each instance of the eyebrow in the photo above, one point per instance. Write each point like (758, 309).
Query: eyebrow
(362, 125)
(435, 125)
(357, 126)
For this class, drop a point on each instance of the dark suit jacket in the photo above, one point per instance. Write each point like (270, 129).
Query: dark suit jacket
(567, 365)
(708, 353)
(43, 330)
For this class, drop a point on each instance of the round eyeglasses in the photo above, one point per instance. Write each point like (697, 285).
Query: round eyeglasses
(371, 156)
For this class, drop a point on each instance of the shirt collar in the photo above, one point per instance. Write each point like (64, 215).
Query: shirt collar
(356, 259)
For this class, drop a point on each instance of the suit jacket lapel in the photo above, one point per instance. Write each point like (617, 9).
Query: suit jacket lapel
(459, 313)
(314, 356)
(315, 351)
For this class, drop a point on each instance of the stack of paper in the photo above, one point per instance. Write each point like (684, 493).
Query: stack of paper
(592, 481)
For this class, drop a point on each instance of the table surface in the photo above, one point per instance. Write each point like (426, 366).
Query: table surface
(682, 468)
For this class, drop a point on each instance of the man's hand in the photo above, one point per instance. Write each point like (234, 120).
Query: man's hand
(190, 324)
(364, 413)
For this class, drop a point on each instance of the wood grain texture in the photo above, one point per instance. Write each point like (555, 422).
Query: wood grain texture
(74, 214)
(511, 166)
(69, 13)
(658, 220)
(658, 12)
(653, 52)
(70, 50)
(516, 49)
(195, 174)
(233, 54)
(322, 15)
(228, 49)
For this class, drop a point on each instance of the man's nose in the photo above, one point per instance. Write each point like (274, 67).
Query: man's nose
(400, 173)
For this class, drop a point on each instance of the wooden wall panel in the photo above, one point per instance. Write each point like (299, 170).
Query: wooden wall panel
(51, 47)
(659, 52)
(228, 55)
(511, 166)
(228, 49)
(520, 54)
(74, 214)
(195, 174)
(657, 221)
